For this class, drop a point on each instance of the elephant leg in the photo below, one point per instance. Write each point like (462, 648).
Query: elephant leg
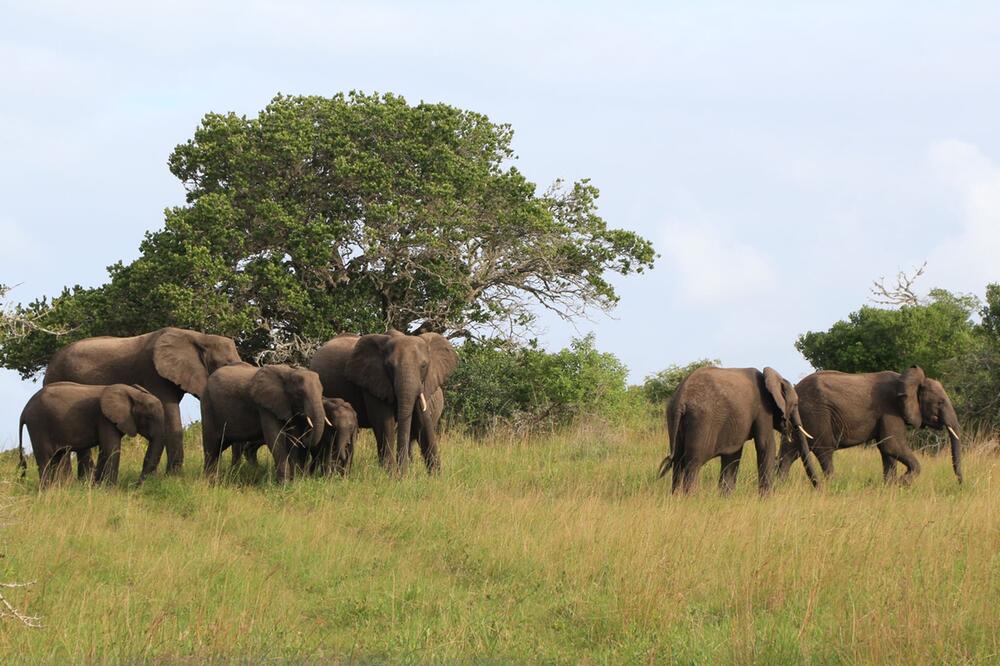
(728, 471)
(109, 456)
(788, 454)
(174, 439)
(825, 457)
(277, 441)
(211, 444)
(383, 423)
(763, 438)
(45, 459)
(888, 465)
(84, 466)
(892, 433)
(58, 468)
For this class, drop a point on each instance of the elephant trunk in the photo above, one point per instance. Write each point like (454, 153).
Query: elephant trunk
(802, 436)
(314, 412)
(408, 394)
(951, 423)
(341, 447)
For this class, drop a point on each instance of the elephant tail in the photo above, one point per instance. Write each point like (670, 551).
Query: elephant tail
(674, 418)
(22, 465)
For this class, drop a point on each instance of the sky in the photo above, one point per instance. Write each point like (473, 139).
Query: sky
(780, 156)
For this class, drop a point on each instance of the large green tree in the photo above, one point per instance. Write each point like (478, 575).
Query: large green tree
(352, 213)
(930, 334)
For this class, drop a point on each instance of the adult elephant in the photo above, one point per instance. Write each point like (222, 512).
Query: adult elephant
(843, 410)
(716, 410)
(387, 380)
(168, 363)
(277, 404)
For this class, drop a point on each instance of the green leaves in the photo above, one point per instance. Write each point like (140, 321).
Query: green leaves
(358, 213)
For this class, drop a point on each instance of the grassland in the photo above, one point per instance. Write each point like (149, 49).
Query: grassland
(563, 549)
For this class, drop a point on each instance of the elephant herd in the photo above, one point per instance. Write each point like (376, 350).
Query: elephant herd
(97, 390)
(715, 410)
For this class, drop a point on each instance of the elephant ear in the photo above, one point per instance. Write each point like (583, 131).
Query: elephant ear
(774, 384)
(366, 367)
(178, 359)
(907, 389)
(116, 405)
(443, 361)
(267, 390)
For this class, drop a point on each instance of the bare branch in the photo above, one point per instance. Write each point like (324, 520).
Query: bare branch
(900, 295)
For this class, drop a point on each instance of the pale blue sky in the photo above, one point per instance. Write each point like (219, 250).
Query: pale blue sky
(780, 155)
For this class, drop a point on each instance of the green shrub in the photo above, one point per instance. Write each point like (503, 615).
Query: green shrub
(659, 386)
(525, 387)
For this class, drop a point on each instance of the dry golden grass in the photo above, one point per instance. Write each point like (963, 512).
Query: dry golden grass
(564, 548)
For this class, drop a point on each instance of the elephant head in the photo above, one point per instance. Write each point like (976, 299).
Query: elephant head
(187, 358)
(402, 370)
(787, 419)
(342, 418)
(134, 411)
(291, 395)
(925, 404)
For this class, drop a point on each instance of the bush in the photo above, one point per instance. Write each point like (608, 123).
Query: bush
(527, 388)
(659, 386)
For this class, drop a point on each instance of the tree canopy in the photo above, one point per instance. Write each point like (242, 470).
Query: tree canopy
(872, 339)
(352, 213)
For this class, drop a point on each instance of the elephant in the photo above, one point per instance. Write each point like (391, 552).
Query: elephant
(843, 410)
(386, 379)
(66, 416)
(168, 363)
(275, 404)
(335, 450)
(716, 410)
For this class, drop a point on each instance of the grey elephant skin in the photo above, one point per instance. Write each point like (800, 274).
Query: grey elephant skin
(277, 404)
(336, 450)
(66, 416)
(168, 363)
(716, 410)
(842, 410)
(388, 379)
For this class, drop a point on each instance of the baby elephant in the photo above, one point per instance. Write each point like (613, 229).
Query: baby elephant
(277, 404)
(65, 417)
(716, 410)
(336, 450)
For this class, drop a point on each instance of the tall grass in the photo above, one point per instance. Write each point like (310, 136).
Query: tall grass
(559, 549)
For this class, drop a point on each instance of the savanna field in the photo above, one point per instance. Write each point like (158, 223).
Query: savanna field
(559, 549)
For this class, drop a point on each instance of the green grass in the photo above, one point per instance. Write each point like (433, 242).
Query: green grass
(564, 549)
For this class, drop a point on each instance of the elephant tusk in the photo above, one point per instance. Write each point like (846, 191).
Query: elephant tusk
(808, 436)
(309, 421)
(953, 433)
(327, 421)
(423, 403)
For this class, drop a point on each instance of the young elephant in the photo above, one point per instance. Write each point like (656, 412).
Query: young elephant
(65, 417)
(844, 410)
(277, 404)
(336, 451)
(716, 410)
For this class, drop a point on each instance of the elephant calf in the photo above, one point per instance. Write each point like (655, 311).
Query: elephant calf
(65, 416)
(336, 450)
(716, 410)
(277, 404)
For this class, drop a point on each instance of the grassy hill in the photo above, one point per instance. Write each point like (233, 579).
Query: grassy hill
(561, 549)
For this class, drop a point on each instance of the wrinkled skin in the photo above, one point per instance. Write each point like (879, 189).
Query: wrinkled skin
(336, 451)
(168, 363)
(277, 404)
(65, 416)
(383, 377)
(716, 410)
(842, 410)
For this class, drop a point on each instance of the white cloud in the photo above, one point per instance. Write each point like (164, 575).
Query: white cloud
(966, 258)
(712, 269)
